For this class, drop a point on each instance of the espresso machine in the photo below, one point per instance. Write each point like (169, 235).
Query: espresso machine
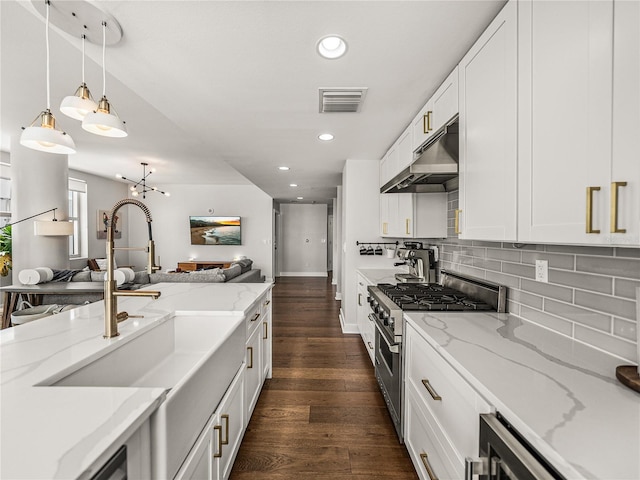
(421, 263)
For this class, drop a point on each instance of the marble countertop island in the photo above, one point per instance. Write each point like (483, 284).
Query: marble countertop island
(561, 395)
(59, 432)
(381, 275)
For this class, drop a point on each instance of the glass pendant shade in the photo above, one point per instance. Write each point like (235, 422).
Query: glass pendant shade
(45, 137)
(103, 122)
(80, 104)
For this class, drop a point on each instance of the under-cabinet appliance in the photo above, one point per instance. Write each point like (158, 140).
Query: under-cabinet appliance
(435, 164)
(506, 455)
(387, 301)
(421, 263)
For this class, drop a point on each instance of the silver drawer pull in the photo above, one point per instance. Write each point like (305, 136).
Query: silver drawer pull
(430, 389)
(427, 465)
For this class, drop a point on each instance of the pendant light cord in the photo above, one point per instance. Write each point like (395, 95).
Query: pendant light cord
(47, 41)
(83, 39)
(104, 67)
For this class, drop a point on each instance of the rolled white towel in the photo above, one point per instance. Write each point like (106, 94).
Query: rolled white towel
(129, 274)
(33, 276)
(48, 273)
(118, 275)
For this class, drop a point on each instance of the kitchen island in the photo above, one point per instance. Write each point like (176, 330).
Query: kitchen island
(561, 395)
(66, 432)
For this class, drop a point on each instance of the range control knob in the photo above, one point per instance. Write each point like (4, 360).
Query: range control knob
(390, 322)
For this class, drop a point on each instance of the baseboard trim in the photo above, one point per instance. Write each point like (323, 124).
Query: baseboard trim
(347, 328)
(303, 274)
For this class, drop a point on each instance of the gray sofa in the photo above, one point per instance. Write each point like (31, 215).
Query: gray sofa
(240, 271)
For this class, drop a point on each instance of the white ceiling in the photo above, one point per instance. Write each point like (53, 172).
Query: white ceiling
(224, 92)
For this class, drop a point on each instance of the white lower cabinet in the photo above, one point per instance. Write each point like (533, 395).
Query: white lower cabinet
(441, 410)
(365, 325)
(254, 373)
(266, 337)
(215, 450)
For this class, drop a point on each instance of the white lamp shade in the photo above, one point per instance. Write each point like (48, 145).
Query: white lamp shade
(47, 140)
(52, 229)
(105, 124)
(77, 107)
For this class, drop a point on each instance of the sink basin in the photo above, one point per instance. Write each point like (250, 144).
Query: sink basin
(194, 357)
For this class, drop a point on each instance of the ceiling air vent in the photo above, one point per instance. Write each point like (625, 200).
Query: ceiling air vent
(341, 100)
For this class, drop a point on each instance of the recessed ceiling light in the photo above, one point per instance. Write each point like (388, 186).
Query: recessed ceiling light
(293, 184)
(332, 46)
(325, 137)
(300, 198)
(283, 168)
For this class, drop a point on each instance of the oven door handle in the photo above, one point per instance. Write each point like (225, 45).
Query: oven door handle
(393, 347)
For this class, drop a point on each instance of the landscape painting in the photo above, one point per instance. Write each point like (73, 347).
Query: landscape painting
(215, 230)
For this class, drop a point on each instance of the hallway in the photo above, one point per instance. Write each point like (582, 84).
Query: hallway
(321, 416)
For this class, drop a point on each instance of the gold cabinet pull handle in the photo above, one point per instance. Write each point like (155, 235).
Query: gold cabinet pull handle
(430, 389)
(384, 228)
(250, 357)
(267, 303)
(426, 122)
(614, 207)
(218, 428)
(359, 299)
(406, 225)
(225, 417)
(255, 317)
(456, 223)
(370, 346)
(425, 461)
(265, 331)
(590, 191)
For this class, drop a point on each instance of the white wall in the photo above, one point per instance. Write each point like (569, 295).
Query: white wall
(337, 243)
(102, 194)
(171, 224)
(361, 212)
(303, 245)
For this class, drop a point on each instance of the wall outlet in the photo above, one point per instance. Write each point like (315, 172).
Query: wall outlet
(542, 271)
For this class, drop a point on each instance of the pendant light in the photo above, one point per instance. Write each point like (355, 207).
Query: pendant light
(42, 134)
(103, 121)
(80, 103)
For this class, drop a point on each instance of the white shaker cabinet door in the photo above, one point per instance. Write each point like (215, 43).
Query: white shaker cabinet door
(565, 109)
(488, 132)
(625, 168)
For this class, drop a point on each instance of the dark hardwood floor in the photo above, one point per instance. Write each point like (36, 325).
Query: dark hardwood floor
(321, 416)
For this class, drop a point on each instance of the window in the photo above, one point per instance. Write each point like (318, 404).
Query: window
(78, 242)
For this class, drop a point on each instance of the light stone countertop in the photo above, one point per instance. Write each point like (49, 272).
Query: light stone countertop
(560, 394)
(381, 275)
(59, 432)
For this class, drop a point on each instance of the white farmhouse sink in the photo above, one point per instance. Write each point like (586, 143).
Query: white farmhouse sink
(196, 357)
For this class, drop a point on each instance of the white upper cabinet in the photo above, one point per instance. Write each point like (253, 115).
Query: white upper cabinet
(565, 114)
(488, 132)
(405, 149)
(625, 165)
(413, 215)
(438, 110)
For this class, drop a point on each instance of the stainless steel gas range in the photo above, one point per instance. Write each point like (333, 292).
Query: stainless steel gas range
(455, 292)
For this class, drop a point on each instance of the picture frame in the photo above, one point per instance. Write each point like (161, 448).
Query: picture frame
(102, 221)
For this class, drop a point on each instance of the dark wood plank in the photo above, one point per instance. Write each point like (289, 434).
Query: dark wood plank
(322, 415)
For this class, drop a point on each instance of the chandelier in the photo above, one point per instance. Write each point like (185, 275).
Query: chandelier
(140, 187)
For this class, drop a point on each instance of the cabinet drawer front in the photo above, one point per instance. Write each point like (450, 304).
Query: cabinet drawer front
(458, 406)
(253, 317)
(430, 451)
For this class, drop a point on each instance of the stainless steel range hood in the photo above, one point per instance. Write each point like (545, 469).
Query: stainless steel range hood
(434, 168)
